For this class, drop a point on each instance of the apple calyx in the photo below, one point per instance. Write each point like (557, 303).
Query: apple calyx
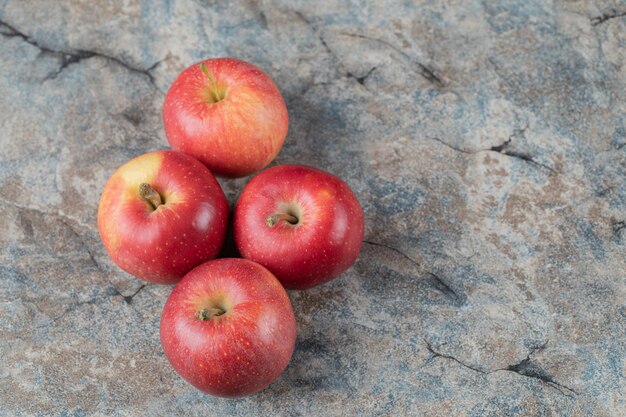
(216, 93)
(207, 313)
(271, 221)
(149, 194)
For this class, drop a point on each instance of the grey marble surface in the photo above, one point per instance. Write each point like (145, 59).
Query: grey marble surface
(485, 140)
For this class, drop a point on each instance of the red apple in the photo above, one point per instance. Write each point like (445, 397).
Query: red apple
(228, 114)
(303, 224)
(228, 327)
(161, 214)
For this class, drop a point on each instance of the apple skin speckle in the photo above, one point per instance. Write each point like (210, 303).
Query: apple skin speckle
(188, 229)
(240, 351)
(236, 135)
(324, 242)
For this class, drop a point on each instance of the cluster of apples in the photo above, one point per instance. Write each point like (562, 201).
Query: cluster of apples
(228, 326)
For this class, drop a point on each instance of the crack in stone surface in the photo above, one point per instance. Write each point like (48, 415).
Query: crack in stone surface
(618, 226)
(361, 80)
(421, 69)
(71, 308)
(611, 14)
(435, 354)
(528, 369)
(259, 14)
(59, 215)
(525, 368)
(398, 251)
(13, 32)
(328, 49)
(66, 221)
(441, 285)
(501, 149)
(69, 57)
(74, 306)
(324, 44)
(79, 237)
(129, 298)
(445, 288)
(454, 148)
(67, 60)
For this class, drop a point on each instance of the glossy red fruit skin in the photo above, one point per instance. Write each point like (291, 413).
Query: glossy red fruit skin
(241, 351)
(325, 242)
(233, 137)
(162, 245)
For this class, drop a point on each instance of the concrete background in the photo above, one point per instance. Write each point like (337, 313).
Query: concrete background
(485, 140)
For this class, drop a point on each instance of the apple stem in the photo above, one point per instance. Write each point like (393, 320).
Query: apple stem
(207, 313)
(216, 93)
(271, 221)
(150, 195)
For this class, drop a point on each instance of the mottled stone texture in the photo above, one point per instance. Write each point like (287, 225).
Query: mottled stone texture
(485, 140)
